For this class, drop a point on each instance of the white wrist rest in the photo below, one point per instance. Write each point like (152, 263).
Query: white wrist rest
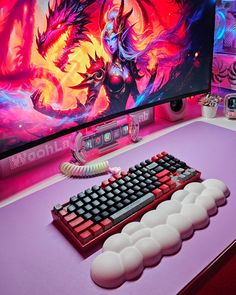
(159, 232)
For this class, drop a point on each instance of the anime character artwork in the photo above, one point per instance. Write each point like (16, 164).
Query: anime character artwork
(62, 64)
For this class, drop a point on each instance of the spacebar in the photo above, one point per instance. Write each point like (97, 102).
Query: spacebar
(132, 208)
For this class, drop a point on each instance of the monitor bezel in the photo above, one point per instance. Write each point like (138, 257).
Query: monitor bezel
(65, 132)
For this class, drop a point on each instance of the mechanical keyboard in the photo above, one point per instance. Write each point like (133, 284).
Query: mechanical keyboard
(100, 211)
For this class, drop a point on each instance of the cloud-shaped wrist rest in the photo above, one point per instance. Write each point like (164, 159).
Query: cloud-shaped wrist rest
(159, 232)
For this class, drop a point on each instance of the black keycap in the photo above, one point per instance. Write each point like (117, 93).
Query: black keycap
(126, 201)
(123, 188)
(136, 188)
(112, 209)
(138, 173)
(88, 191)
(166, 158)
(80, 211)
(119, 205)
(103, 199)
(73, 199)
(177, 166)
(114, 185)
(87, 215)
(141, 178)
(79, 204)
(159, 169)
(142, 184)
(148, 181)
(161, 161)
(138, 166)
(133, 198)
(129, 184)
(132, 176)
(110, 202)
(132, 169)
(171, 162)
(144, 170)
(71, 208)
(95, 211)
(97, 218)
(127, 178)
(95, 188)
(81, 195)
(108, 188)
(88, 207)
(116, 191)
(130, 191)
(183, 164)
(166, 165)
(153, 178)
(135, 181)
(143, 164)
(176, 160)
(94, 196)
(101, 192)
(152, 172)
(105, 214)
(145, 190)
(151, 187)
(103, 207)
(123, 195)
(95, 203)
(87, 199)
(146, 175)
(157, 184)
(110, 195)
(117, 199)
(148, 161)
(139, 194)
(58, 207)
(172, 169)
(120, 181)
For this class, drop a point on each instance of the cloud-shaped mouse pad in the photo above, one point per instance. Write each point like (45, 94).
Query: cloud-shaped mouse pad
(159, 232)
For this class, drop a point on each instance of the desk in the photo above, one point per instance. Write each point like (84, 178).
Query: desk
(35, 258)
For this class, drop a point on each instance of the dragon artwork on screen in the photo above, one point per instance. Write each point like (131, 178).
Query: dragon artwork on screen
(68, 62)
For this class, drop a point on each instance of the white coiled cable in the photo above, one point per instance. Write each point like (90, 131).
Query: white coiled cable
(70, 169)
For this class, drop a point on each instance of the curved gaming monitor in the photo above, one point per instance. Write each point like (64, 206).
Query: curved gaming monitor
(68, 64)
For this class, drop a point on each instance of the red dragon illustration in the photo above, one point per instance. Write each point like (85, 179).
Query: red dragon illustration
(68, 17)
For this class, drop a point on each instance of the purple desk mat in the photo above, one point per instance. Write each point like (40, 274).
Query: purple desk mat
(35, 258)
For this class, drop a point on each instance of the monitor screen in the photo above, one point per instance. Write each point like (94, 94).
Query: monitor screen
(69, 64)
